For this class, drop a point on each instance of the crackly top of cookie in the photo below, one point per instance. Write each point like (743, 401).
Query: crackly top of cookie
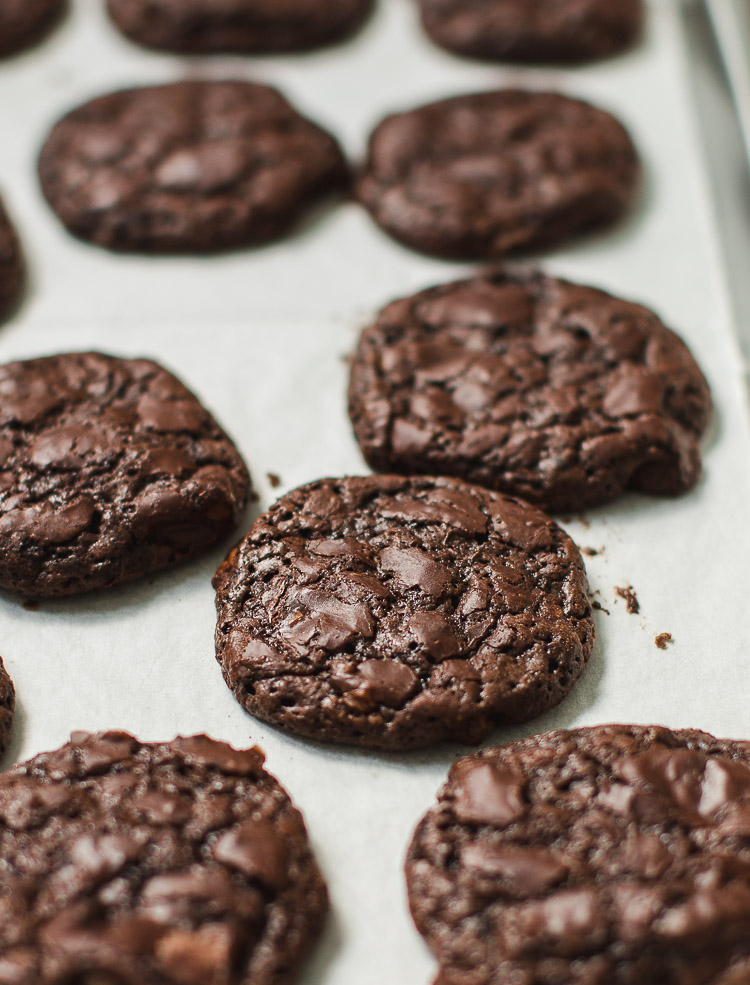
(617, 851)
(556, 392)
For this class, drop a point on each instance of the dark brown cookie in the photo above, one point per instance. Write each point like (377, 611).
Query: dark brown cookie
(11, 265)
(109, 469)
(555, 31)
(128, 863)
(495, 173)
(561, 394)
(242, 26)
(7, 709)
(24, 22)
(393, 613)
(615, 855)
(189, 167)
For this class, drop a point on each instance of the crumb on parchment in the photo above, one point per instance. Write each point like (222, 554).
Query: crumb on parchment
(631, 599)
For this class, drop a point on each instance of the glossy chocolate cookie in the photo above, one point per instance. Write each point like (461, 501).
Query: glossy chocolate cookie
(190, 167)
(496, 173)
(7, 708)
(241, 26)
(109, 469)
(126, 863)
(11, 265)
(393, 613)
(24, 22)
(554, 392)
(556, 31)
(615, 855)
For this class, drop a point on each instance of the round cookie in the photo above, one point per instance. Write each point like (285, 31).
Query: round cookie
(393, 613)
(557, 393)
(495, 173)
(11, 265)
(556, 31)
(7, 707)
(240, 26)
(24, 22)
(616, 854)
(110, 469)
(129, 863)
(190, 167)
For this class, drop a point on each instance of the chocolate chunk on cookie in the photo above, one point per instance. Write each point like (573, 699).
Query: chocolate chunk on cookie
(129, 863)
(241, 26)
(555, 31)
(109, 469)
(7, 707)
(613, 854)
(558, 393)
(393, 613)
(11, 265)
(24, 22)
(190, 167)
(496, 173)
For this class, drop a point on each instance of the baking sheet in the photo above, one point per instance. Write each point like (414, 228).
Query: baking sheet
(261, 335)
(731, 20)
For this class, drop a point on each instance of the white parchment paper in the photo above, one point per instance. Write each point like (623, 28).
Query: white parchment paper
(261, 335)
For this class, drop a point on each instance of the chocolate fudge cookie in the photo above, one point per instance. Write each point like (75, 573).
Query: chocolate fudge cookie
(558, 31)
(495, 173)
(7, 708)
(190, 167)
(615, 854)
(126, 863)
(393, 613)
(561, 394)
(11, 265)
(24, 22)
(109, 469)
(242, 26)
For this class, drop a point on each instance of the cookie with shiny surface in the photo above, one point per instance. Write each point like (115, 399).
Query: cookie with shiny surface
(556, 31)
(394, 613)
(110, 469)
(129, 863)
(614, 855)
(24, 22)
(190, 167)
(496, 173)
(7, 707)
(560, 394)
(241, 26)
(11, 265)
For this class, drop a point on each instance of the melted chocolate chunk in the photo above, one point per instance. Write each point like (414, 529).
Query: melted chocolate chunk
(11, 265)
(393, 613)
(24, 22)
(616, 854)
(109, 469)
(133, 864)
(7, 707)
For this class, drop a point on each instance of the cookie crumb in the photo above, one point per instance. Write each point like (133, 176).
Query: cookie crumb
(591, 551)
(662, 640)
(599, 607)
(631, 599)
(31, 604)
(274, 479)
(583, 521)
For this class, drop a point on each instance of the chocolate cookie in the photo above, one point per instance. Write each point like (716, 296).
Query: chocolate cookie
(616, 854)
(11, 265)
(24, 22)
(561, 394)
(557, 31)
(494, 173)
(7, 708)
(127, 863)
(242, 26)
(190, 167)
(393, 613)
(109, 469)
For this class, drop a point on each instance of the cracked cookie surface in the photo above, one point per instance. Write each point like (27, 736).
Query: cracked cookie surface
(496, 173)
(24, 22)
(110, 469)
(141, 864)
(11, 265)
(7, 707)
(614, 855)
(188, 167)
(558, 393)
(394, 613)
(241, 26)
